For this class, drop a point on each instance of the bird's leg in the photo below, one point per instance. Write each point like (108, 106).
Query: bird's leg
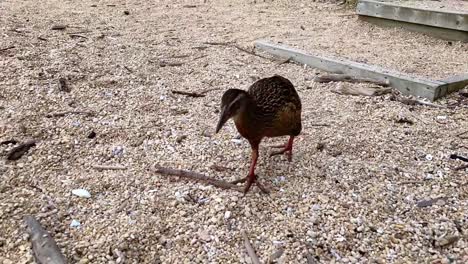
(251, 177)
(286, 148)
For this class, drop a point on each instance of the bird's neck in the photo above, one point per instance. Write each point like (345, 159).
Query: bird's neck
(247, 122)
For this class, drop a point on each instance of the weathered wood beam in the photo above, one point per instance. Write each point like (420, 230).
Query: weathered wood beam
(441, 33)
(406, 84)
(453, 84)
(429, 17)
(437, 23)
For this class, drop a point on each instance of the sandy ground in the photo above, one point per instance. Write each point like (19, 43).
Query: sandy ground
(360, 198)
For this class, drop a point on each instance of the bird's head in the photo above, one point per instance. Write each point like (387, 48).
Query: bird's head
(232, 102)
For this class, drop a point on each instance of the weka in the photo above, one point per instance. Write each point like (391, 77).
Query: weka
(270, 108)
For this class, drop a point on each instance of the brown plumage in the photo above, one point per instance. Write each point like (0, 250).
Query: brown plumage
(270, 108)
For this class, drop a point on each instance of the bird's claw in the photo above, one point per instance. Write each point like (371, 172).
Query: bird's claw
(249, 181)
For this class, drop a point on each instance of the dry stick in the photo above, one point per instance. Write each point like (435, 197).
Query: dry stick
(64, 113)
(18, 151)
(320, 125)
(7, 48)
(109, 167)
(188, 93)
(461, 167)
(230, 44)
(128, 69)
(461, 133)
(250, 249)
(170, 64)
(77, 36)
(44, 247)
(348, 78)
(414, 102)
(197, 177)
(209, 90)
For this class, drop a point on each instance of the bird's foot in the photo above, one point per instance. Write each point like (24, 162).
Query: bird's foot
(248, 182)
(286, 150)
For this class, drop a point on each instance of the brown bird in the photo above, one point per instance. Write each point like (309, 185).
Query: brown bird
(270, 108)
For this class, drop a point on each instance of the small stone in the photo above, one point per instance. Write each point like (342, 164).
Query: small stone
(227, 214)
(446, 241)
(237, 141)
(179, 139)
(118, 151)
(83, 261)
(75, 223)
(204, 235)
(429, 157)
(81, 193)
(91, 135)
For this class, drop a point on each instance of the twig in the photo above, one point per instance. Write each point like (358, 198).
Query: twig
(77, 36)
(7, 48)
(230, 44)
(128, 69)
(170, 64)
(461, 133)
(17, 152)
(320, 125)
(109, 167)
(200, 57)
(209, 90)
(414, 102)
(196, 177)
(455, 156)
(252, 53)
(461, 167)
(218, 43)
(58, 27)
(188, 93)
(64, 113)
(44, 247)
(8, 141)
(250, 250)
(348, 78)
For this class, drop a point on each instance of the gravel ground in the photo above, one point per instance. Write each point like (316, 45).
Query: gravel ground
(380, 188)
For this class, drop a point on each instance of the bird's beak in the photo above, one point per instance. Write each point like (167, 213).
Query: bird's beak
(223, 118)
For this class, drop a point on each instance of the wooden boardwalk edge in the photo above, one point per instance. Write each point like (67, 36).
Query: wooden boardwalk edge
(406, 84)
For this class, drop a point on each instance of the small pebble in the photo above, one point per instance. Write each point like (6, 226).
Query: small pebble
(81, 193)
(227, 214)
(75, 223)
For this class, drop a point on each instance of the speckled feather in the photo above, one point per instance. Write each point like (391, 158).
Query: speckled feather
(279, 106)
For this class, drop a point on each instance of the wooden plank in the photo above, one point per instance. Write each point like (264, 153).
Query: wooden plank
(453, 84)
(406, 84)
(428, 17)
(442, 33)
